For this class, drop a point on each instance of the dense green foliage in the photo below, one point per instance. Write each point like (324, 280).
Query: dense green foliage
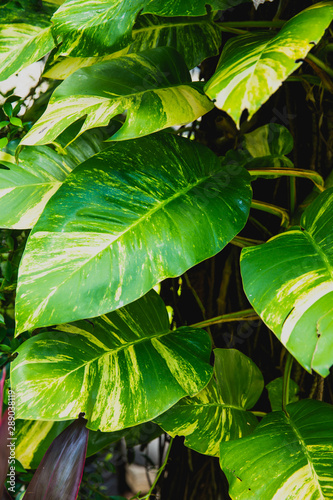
(126, 188)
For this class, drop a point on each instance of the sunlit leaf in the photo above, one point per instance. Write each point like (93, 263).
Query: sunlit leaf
(155, 82)
(289, 283)
(253, 66)
(218, 413)
(287, 456)
(120, 369)
(129, 217)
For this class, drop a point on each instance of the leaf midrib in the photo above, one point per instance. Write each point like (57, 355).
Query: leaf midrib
(140, 220)
(114, 351)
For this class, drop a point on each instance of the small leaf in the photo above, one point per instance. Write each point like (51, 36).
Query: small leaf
(16, 121)
(6, 270)
(60, 472)
(5, 348)
(4, 124)
(3, 142)
(2, 319)
(7, 107)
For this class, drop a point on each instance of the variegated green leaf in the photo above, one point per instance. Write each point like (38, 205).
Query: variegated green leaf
(154, 83)
(195, 38)
(289, 456)
(97, 27)
(253, 66)
(26, 187)
(289, 282)
(33, 437)
(128, 218)
(120, 369)
(21, 45)
(218, 413)
(25, 37)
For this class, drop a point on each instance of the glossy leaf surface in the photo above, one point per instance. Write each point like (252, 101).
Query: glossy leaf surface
(128, 217)
(286, 456)
(289, 282)
(218, 413)
(27, 186)
(154, 83)
(253, 66)
(105, 26)
(25, 37)
(120, 369)
(195, 38)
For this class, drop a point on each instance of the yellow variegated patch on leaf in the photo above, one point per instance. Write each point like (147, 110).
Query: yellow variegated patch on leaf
(120, 369)
(218, 413)
(289, 456)
(289, 282)
(128, 218)
(26, 187)
(154, 83)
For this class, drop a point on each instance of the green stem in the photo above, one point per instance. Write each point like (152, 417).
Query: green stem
(251, 24)
(286, 382)
(259, 413)
(240, 241)
(317, 179)
(320, 64)
(272, 209)
(292, 195)
(158, 475)
(244, 315)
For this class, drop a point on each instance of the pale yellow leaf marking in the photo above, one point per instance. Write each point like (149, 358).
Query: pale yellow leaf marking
(301, 305)
(25, 449)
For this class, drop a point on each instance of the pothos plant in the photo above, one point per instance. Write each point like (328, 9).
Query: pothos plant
(121, 188)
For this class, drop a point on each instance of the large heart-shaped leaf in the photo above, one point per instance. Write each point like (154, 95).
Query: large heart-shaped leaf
(25, 37)
(195, 38)
(154, 83)
(105, 26)
(218, 413)
(253, 66)
(124, 220)
(287, 456)
(27, 186)
(289, 283)
(121, 369)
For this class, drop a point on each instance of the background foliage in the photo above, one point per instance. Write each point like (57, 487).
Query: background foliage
(184, 147)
